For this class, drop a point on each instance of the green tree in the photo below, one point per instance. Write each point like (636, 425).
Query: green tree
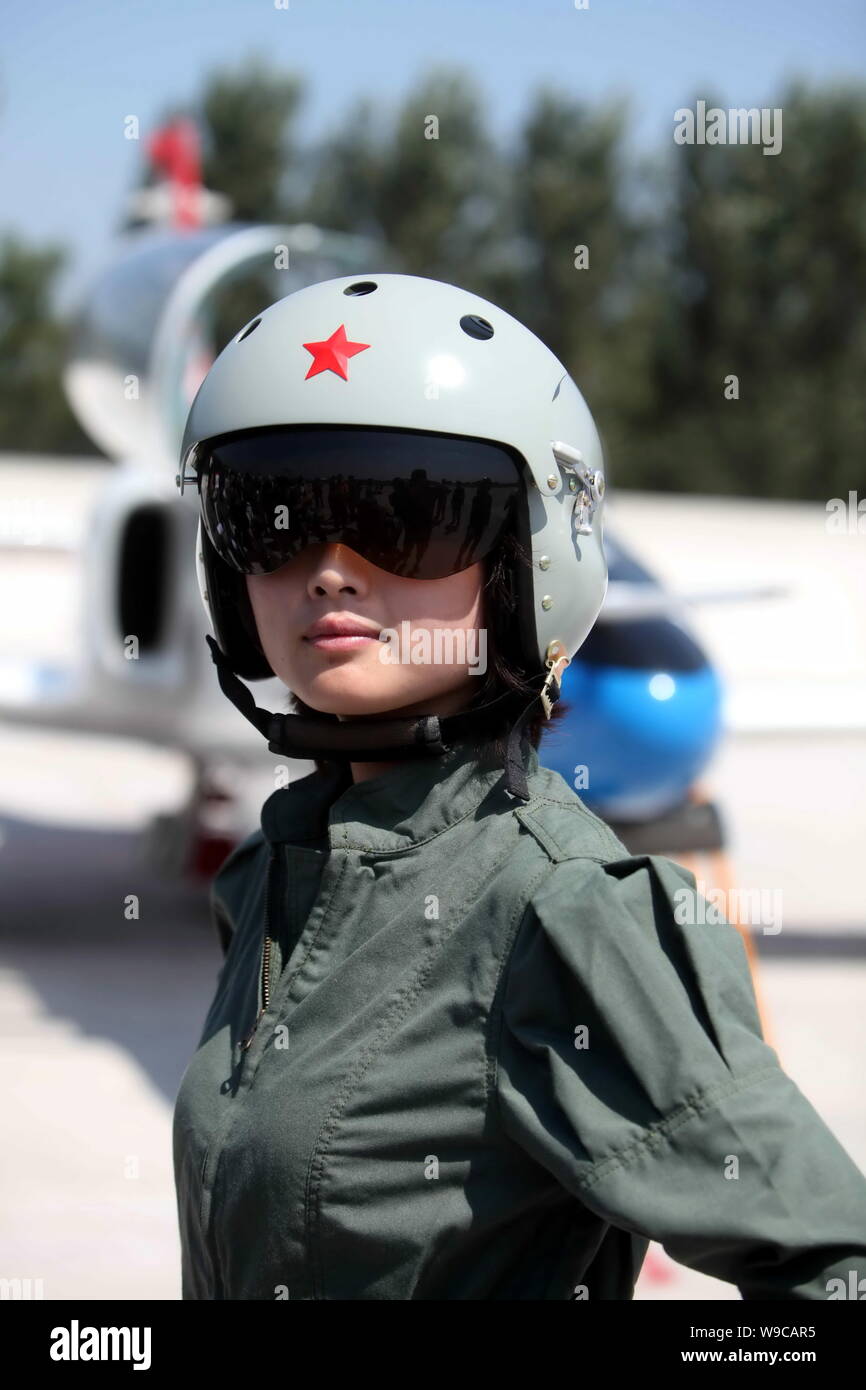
(762, 278)
(431, 181)
(34, 414)
(250, 147)
(575, 288)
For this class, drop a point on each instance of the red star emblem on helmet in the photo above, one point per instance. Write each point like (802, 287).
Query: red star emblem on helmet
(333, 353)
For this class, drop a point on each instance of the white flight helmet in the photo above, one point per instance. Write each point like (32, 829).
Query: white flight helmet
(402, 352)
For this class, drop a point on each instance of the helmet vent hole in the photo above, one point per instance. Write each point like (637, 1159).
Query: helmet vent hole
(476, 326)
(361, 287)
(250, 328)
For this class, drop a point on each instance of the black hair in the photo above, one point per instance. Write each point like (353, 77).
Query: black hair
(506, 670)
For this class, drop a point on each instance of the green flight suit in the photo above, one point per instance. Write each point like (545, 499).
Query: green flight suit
(493, 1063)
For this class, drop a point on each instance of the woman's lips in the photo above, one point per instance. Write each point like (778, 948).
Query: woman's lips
(344, 643)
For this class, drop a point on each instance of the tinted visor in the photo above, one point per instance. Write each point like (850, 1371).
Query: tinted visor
(419, 505)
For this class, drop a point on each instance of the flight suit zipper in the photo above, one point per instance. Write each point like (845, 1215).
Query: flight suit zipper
(266, 952)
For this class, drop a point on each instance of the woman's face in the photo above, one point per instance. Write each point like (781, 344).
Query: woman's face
(335, 581)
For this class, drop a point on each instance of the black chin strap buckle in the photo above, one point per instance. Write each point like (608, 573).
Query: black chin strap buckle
(275, 733)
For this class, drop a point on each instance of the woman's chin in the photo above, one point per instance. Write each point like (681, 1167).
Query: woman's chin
(324, 696)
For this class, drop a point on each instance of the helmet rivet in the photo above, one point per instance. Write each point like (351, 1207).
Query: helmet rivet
(547, 601)
(551, 480)
(476, 326)
(205, 597)
(544, 562)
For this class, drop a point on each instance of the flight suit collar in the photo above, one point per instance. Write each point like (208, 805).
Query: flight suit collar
(404, 806)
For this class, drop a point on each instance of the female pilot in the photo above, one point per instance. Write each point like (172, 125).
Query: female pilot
(462, 1044)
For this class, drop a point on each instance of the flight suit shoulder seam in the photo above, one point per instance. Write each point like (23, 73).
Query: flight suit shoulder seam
(660, 1133)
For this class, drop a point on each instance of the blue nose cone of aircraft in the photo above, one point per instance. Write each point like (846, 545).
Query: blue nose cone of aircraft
(644, 717)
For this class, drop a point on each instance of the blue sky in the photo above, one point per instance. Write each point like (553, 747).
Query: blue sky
(71, 72)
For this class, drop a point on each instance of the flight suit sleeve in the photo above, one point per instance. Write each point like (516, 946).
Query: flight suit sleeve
(631, 1065)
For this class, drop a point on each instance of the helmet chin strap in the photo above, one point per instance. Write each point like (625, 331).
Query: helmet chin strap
(382, 740)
